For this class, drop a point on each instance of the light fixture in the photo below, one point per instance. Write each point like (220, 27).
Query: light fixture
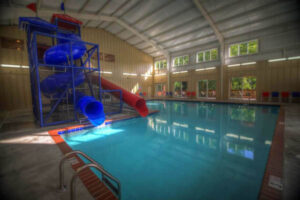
(202, 69)
(249, 63)
(129, 74)
(276, 60)
(234, 65)
(105, 72)
(294, 58)
(146, 75)
(13, 66)
(162, 74)
(179, 72)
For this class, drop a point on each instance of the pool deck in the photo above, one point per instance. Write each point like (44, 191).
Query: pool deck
(29, 159)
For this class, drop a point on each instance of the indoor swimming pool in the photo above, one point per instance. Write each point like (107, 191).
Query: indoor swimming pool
(189, 150)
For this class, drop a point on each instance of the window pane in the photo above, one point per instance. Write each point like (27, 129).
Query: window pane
(156, 65)
(253, 47)
(202, 88)
(181, 61)
(236, 87)
(212, 85)
(186, 60)
(177, 89)
(164, 64)
(243, 48)
(176, 62)
(249, 87)
(214, 54)
(184, 88)
(207, 55)
(234, 50)
(200, 57)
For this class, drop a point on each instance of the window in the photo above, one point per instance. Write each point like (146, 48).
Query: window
(181, 60)
(161, 64)
(243, 87)
(160, 89)
(243, 48)
(208, 55)
(180, 88)
(207, 88)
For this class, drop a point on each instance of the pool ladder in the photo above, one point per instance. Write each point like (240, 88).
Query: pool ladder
(93, 164)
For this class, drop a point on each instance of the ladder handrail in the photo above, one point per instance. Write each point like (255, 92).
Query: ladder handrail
(99, 167)
(96, 166)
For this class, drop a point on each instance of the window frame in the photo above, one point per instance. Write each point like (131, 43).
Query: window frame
(162, 85)
(161, 65)
(173, 60)
(239, 43)
(182, 96)
(206, 96)
(204, 51)
(242, 88)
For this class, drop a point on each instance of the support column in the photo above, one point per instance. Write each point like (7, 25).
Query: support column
(169, 66)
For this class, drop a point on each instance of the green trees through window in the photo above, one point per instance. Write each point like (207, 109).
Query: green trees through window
(161, 64)
(160, 89)
(244, 48)
(208, 55)
(181, 60)
(180, 88)
(243, 87)
(207, 88)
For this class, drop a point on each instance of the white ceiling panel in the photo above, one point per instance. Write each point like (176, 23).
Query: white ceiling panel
(193, 43)
(134, 40)
(272, 21)
(125, 34)
(186, 28)
(142, 45)
(161, 14)
(189, 36)
(94, 5)
(176, 21)
(74, 4)
(143, 8)
(114, 28)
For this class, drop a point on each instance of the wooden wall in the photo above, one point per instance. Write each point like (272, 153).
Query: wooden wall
(271, 76)
(15, 85)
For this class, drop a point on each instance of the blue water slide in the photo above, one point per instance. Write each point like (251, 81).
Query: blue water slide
(56, 84)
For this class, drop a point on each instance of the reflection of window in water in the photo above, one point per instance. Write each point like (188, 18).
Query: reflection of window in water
(242, 114)
(240, 149)
(207, 141)
(207, 111)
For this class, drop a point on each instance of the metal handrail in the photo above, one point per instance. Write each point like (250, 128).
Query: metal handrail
(92, 165)
(62, 186)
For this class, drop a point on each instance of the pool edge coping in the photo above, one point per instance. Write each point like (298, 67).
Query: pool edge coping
(274, 165)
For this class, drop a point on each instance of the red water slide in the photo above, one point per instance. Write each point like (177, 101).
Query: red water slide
(138, 103)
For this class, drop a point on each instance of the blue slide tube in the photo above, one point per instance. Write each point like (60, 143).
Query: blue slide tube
(55, 84)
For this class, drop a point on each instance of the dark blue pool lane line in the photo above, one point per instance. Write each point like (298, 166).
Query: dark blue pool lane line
(87, 126)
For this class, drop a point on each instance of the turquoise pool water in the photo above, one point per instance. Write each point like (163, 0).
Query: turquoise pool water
(186, 151)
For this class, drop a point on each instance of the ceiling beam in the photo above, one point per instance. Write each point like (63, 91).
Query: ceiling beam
(209, 20)
(84, 6)
(142, 36)
(117, 10)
